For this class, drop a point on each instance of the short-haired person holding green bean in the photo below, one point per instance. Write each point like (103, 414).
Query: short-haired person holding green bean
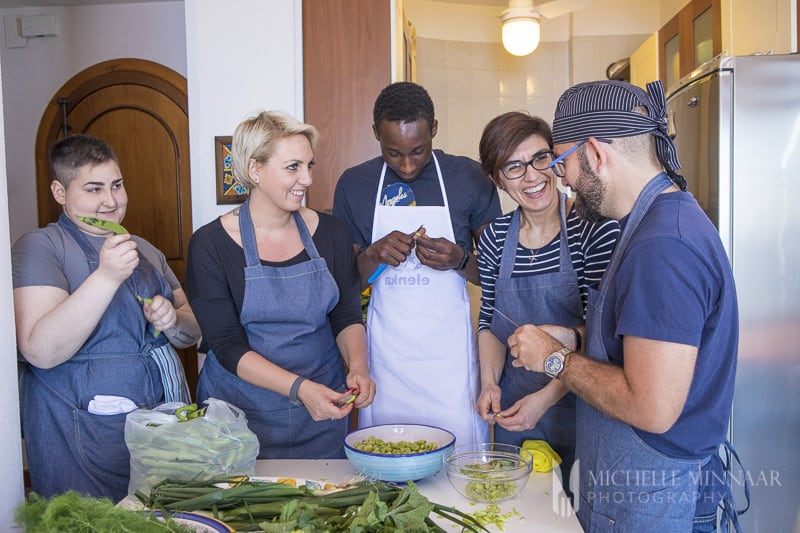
(97, 312)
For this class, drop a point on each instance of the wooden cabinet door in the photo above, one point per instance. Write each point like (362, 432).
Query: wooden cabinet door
(683, 41)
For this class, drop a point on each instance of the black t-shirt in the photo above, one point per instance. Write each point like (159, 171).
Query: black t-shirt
(215, 284)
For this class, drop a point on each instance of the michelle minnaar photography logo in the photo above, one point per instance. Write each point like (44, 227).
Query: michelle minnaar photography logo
(645, 486)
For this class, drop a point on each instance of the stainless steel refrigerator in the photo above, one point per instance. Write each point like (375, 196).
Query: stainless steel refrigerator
(736, 122)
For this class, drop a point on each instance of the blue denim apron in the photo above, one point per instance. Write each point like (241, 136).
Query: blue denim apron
(625, 484)
(67, 447)
(540, 299)
(285, 314)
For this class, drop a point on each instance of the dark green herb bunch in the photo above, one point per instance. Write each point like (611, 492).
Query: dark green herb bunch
(82, 514)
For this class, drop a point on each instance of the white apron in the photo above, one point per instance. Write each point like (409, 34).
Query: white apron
(420, 334)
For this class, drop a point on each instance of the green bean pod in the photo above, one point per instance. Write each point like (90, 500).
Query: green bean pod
(103, 224)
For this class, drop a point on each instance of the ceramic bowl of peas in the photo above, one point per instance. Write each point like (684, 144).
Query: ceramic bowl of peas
(398, 452)
(488, 472)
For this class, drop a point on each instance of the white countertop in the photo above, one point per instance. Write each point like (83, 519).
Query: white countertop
(538, 504)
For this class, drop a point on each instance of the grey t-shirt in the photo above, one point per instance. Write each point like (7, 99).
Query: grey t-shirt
(50, 257)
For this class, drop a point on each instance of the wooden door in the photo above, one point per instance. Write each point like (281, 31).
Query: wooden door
(346, 63)
(140, 109)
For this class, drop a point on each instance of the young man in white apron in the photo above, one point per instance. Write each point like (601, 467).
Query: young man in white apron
(419, 328)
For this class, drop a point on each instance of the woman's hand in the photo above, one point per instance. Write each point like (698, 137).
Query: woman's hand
(488, 403)
(321, 402)
(365, 387)
(525, 413)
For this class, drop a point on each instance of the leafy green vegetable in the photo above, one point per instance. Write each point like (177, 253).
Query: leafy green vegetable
(73, 513)
(409, 510)
(370, 514)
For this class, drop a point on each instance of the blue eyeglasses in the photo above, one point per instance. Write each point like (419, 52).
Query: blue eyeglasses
(558, 165)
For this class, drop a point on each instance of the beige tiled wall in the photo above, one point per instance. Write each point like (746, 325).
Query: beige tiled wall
(472, 82)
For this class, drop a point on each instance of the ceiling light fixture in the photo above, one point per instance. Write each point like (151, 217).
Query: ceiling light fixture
(521, 30)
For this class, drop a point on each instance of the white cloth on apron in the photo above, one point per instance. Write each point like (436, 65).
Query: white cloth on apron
(420, 334)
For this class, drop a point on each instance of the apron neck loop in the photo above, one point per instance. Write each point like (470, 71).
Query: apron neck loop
(88, 250)
(438, 175)
(248, 233)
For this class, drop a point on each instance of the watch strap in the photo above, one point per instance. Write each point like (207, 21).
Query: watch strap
(560, 354)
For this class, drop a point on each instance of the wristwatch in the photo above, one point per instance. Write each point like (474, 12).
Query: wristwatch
(554, 363)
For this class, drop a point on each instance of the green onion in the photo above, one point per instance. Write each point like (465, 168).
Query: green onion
(274, 507)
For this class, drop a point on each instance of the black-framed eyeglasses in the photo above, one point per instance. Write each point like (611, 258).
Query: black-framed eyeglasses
(516, 169)
(558, 165)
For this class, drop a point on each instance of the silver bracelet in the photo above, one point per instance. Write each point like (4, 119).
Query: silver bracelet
(293, 390)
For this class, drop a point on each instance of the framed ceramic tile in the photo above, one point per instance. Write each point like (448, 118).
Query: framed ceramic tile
(229, 189)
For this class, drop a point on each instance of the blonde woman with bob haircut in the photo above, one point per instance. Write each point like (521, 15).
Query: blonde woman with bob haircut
(277, 298)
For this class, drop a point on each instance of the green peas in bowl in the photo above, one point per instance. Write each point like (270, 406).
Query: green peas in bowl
(489, 472)
(398, 452)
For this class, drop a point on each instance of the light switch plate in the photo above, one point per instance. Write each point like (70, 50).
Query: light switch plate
(37, 26)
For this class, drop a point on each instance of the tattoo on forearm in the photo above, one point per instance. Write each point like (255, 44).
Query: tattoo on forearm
(180, 336)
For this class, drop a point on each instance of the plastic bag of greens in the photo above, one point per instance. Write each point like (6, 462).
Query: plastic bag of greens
(184, 442)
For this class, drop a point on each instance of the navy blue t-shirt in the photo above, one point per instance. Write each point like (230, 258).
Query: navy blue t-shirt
(675, 284)
(472, 197)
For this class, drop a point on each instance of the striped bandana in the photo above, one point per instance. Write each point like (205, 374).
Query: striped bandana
(606, 109)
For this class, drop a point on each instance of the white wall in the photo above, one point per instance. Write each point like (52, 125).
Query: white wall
(86, 35)
(250, 62)
(11, 494)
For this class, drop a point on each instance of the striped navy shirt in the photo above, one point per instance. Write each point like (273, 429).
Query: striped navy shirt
(590, 246)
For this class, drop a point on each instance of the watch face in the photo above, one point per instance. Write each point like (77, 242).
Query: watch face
(553, 364)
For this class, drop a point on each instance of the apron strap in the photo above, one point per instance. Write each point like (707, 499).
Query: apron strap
(640, 207)
(730, 515)
(509, 252)
(249, 245)
(88, 250)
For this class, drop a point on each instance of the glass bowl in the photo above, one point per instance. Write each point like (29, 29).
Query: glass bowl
(402, 466)
(488, 472)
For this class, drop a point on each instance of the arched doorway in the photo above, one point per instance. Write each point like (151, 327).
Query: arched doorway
(140, 108)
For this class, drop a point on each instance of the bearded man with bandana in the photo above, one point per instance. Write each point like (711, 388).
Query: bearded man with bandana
(655, 384)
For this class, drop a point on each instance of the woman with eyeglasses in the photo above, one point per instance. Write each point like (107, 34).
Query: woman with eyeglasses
(535, 265)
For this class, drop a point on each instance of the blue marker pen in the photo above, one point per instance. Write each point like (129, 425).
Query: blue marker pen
(377, 273)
